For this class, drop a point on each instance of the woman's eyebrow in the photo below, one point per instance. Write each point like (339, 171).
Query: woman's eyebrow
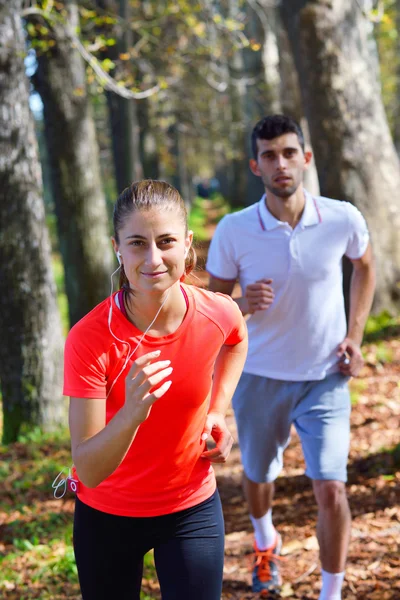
(135, 235)
(142, 237)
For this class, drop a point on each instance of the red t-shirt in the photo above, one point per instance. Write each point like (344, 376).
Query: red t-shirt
(162, 471)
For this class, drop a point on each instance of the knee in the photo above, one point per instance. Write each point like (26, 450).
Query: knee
(330, 495)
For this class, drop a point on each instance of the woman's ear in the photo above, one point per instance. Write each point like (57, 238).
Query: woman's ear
(188, 242)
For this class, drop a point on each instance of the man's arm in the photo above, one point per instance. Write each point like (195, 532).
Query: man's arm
(257, 296)
(224, 286)
(362, 289)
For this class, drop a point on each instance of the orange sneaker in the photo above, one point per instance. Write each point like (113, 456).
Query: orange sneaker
(266, 576)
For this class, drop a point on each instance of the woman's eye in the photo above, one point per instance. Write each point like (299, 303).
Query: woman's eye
(167, 241)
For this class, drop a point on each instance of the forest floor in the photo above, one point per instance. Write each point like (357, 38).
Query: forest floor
(36, 558)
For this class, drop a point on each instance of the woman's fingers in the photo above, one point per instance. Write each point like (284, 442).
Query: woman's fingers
(160, 391)
(142, 377)
(149, 382)
(141, 362)
(149, 370)
(145, 365)
(147, 378)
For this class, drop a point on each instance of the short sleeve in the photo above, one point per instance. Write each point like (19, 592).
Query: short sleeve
(358, 236)
(84, 367)
(233, 321)
(221, 256)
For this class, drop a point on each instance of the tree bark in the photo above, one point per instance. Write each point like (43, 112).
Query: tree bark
(291, 101)
(123, 113)
(181, 178)
(30, 327)
(148, 141)
(396, 125)
(75, 173)
(355, 155)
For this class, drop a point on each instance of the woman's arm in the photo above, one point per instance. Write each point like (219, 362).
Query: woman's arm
(98, 449)
(228, 368)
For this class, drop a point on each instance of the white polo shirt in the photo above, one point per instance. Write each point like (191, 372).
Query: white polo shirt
(297, 337)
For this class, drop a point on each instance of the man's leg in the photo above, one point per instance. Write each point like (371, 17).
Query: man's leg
(266, 577)
(259, 496)
(263, 414)
(322, 418)
(334, 523)
(333, 532)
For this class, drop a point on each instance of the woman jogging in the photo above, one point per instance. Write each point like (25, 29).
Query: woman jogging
(150, 372)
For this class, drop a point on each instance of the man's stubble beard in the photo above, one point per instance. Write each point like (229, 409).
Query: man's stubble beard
(279, 192)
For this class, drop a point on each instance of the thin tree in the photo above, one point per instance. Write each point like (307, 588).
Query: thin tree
(77, 191)
(123, 112)
(354, 151)
(30, 328)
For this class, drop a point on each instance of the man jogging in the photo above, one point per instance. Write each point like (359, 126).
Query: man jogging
(286, 252)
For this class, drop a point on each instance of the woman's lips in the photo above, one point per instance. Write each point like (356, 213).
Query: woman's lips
(154, 275)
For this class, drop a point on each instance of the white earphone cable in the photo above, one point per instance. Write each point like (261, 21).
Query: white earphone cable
(130, 352)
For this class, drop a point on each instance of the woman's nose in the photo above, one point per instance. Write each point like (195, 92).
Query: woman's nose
(153, 255)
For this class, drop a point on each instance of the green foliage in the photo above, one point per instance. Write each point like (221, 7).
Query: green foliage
(382, 326)
(197, 220)
(357, 386)
(205, 213)
(383, 353)
(37, 560)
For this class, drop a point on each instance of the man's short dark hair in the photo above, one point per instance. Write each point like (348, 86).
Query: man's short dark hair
(273, 126)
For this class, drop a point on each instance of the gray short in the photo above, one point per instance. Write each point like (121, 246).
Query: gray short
(266, 408)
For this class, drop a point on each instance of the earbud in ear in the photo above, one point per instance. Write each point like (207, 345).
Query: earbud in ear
(118, 255)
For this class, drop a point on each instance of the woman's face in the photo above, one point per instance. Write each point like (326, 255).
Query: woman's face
(153, 247)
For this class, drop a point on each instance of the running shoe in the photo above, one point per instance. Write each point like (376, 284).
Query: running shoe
(266, 576)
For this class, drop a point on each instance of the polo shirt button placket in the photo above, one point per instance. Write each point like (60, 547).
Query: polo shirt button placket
(294, 253)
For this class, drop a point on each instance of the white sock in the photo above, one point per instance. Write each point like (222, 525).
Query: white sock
(331, 586)
(264, 531)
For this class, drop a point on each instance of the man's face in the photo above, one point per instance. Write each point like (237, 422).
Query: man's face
(281, 163)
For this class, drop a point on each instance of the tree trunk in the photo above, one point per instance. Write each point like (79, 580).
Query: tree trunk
(291, 101)
(75, 173)
(30, 328)
(148, 141)
(355, 155)
(123, 112)
(396, 125)
(181, 178)
(125, 140)
(254, 91)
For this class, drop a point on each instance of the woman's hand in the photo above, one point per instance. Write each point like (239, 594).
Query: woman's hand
(142, 377)
(217, 428)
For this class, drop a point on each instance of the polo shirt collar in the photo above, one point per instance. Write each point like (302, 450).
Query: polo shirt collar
(310, 216)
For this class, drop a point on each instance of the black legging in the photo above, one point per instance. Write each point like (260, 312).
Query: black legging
(188, 552)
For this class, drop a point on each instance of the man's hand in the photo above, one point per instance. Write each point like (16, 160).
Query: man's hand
(217, 428)
(350, 358)
(259, 295)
